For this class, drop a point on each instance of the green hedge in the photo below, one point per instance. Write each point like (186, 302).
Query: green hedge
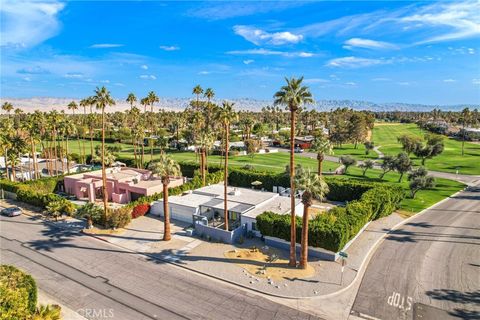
(18, 293)
(38, 193)
(335, 228)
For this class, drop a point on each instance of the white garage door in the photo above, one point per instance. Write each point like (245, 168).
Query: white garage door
(177, 212)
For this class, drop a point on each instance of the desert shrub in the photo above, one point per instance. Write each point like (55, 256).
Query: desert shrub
(118, 218)
(140, 210)
(91, 211)
(18, 294)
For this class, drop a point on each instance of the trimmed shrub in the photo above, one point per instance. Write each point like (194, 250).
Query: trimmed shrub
(332, 230)
(118, 218)
(140, 210)
(18, 293)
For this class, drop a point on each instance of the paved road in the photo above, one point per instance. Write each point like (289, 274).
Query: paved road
(100, 280)
(464, 178)
(429, 268)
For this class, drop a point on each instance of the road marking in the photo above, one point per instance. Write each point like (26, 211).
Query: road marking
(396, 300)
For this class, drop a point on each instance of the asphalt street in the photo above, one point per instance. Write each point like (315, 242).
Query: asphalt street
(429, 268)
(101, 281)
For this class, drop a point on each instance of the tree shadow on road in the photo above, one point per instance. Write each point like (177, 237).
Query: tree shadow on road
(455, 296)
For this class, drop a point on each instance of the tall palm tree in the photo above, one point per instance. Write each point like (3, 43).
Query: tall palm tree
(6, 134)
(31, 128)
(466, 118)
(322, 147)
(204, 143)
(84, 103)
(144, 102)
(102, 100)
(131, 99)
(197, 90)
(293, 95)
(313, 187)
(165, 168)
(226, 116)
(152, 98)
(73, 106)
(69, 129)
(7, 107)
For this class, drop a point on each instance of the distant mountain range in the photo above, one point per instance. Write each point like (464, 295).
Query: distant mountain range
(46, 104)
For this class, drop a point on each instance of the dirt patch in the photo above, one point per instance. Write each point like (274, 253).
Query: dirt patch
(103, 231)
(267, 264)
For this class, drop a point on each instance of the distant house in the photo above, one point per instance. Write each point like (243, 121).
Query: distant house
(304, 142)
(123, 184)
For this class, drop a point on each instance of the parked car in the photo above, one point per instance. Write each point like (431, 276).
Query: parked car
(11, 212)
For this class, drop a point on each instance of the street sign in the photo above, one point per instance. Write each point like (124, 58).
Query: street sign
(343, 254)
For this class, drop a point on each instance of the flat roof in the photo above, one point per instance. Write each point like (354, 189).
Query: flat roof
(218, 203)
(189, 200)
(280, 205)
(244, 195)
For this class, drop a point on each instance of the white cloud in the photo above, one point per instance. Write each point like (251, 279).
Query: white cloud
(355, 62)
(28, 79)
(259, 37)
(28, 23)
(105, 45)
(33, 70)
(461, 19)
(104, 81)
(316, 80)
(476, 81)
(148, 77)
(73, 75)
(449, 80)
(119, 84)
(471, 51)
(249, 61)
(169, 48)
(381, 79)
(404, 83)
(204, 72)
(144, 67)
(367, 44)
(266, 52)
(351, 83)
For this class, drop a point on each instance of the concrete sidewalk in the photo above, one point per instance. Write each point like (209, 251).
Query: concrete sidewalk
(144, 235)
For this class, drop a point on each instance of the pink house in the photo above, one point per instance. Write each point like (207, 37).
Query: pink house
(123, 184)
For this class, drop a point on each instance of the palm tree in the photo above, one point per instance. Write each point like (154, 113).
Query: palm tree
(165, 168)
(144, 102)
(84, 103)
(152, 98)
(226, 116)
(131, 99)
(73, 106)
(313, 187)
(322, 147)
(7, 107)
(102, 100)
(197, 90)
(293, 96)
(466, 118)
(204, 143)
(209, 94)
(69, 129)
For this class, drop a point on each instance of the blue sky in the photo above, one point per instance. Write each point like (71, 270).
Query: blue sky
(414, 52)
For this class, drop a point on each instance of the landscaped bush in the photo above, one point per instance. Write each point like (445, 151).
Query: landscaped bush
(18, 294)
(38, 193)
(332, 230)
(140, 210)
(118, 218)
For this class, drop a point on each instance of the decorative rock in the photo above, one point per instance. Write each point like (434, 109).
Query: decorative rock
(278, 287)
(286, 285)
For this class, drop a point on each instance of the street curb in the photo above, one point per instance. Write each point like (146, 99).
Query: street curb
(359, 274)
(364, 264)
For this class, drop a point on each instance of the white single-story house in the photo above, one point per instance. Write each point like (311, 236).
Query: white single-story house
(244, 205)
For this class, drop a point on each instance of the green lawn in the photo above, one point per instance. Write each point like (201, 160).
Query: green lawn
(276, 162)
(450, 160)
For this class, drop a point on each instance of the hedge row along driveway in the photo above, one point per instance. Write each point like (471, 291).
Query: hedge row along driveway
(366, 201)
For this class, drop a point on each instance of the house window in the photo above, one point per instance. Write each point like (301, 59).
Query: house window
(254, 226)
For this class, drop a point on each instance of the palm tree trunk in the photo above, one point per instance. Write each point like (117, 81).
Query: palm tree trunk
(21, 167)
(55, 150)
(91, 143)
(35, 164)
(320, 164)
(32, 162)
(135, 152)
(166, 214)
(463, 139)
(104, 174)
(304, 250)
(143, 151)
(61, 148)
(66, 150)
(225, 179)
(293, 228)
(202, 167)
